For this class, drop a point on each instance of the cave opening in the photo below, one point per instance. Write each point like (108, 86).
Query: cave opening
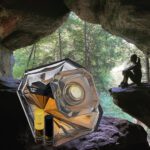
(89, 45)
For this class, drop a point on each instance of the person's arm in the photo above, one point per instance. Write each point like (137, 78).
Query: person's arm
(138, 61)
(129, 68)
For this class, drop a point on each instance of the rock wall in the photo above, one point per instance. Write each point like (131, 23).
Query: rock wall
(6, 63)
(24, 22)
(129, 19)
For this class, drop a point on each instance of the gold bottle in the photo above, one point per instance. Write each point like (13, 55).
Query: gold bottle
(39, 125)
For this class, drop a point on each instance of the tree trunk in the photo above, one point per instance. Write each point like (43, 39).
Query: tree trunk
(55, 52)
(147, 67)
(85, 43)
(60, 44)
(6, 63)
(86, 48)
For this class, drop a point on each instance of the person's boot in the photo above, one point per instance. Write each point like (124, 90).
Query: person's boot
(123, 85)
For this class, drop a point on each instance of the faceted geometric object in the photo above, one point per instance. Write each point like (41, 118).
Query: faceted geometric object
(66, 91)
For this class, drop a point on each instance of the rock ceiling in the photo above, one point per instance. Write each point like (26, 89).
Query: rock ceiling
(23, 22)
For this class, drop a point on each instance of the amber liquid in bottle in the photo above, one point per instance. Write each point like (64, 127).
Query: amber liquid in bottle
(39, 125)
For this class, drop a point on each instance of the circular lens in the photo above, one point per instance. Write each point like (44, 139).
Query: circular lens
(75, 92)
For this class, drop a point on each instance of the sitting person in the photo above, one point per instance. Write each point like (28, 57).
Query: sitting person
(133, 72)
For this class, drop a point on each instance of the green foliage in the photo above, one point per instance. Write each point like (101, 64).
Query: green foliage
(110, 109)
(21, 57)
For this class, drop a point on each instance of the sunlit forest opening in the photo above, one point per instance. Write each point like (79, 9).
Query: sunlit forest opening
(102, 53)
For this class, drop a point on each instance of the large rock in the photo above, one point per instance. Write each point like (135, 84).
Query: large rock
(23, 22)
(112, 134)
(6, 63)
(129, 19)
(9, 84)
(135, 100)
(13, 122)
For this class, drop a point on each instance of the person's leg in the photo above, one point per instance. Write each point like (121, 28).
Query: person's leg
(125, 79)
(126, 75)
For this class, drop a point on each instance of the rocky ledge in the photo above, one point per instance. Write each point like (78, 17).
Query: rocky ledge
(9, 84)
(135, 100)
(112, 133)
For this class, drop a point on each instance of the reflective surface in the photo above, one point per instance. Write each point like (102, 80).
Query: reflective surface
(66, 91)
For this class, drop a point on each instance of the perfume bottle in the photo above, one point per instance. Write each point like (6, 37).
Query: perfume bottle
(39, 125)
(49, 130)
(66, 92)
